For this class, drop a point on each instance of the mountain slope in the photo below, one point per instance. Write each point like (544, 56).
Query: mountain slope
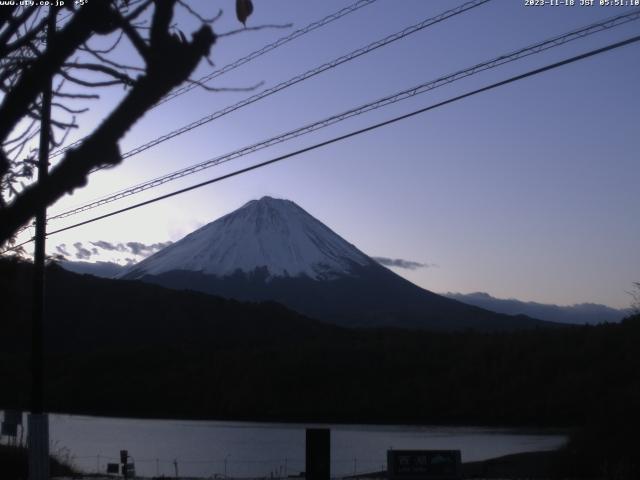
(370, 297)
(579, 314)
(86, 314)
(272, 249)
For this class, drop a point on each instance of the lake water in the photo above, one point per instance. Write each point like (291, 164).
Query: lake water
(208, 449)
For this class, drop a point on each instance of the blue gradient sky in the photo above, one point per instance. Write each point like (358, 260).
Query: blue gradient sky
(527, 191)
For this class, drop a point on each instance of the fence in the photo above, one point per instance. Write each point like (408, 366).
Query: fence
(227, 467)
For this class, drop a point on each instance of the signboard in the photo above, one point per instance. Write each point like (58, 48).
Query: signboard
(424, 464)
(113, 468)
(129, 470)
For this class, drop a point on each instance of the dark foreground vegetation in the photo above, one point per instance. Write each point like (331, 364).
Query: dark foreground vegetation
(14, 464)
(133, 349)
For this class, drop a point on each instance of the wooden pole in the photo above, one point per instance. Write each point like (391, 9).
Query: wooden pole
(38, 421)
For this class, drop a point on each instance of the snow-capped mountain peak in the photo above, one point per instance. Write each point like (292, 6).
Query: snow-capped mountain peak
(268, 233)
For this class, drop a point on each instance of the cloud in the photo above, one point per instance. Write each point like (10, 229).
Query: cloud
(81, 252)
(138, 248)
(402, 263)
(135, 248)
(62, 250)
(105, 245)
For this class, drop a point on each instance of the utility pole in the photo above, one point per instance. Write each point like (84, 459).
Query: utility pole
(124, 461)
(318, 454)
(38, 420)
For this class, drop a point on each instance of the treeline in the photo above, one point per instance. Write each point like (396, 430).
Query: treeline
(132, 349)
(14, 464)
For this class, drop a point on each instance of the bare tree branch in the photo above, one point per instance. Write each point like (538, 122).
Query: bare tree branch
(208, 21)
(173, 63)
(24, 40)
(225, 89)
(21, 136)
(109, 49)
(87, 83)
(14, 25)
(85, 96)
(6, 14)
(134, 37)
(95, 67)
(68, 109)
(107, 61)
(138, 10)
(27, 64)
(89, 19)
(250, 29)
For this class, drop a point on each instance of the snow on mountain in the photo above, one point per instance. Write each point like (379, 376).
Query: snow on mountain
(268, 233)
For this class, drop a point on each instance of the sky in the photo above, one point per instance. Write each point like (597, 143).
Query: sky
(528, 191)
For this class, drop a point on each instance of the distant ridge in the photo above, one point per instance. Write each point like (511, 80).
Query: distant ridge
(582, 313)
(98, 269)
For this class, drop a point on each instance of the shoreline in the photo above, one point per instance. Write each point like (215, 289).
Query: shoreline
(536, 464)
(302, 422)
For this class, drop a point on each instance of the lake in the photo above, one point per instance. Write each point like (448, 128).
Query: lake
(241, 449)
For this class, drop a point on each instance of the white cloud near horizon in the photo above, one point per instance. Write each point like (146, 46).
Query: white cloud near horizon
(402, 263)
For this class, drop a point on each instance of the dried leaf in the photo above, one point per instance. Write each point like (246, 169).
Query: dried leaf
(244, 8)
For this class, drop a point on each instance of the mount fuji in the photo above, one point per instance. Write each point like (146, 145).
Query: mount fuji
(271, 249)
(273, 235)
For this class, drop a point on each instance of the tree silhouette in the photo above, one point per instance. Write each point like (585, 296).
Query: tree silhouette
(635, 295)
(28, 63)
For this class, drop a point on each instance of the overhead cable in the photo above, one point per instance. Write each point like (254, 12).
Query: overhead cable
(252, 56)
(403, 95)
(302, 77)
(516, 78)
(530, 73)
(267, 48)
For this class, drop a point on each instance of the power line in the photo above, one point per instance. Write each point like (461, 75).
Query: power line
(422, 88)
(345, 58)
(252, 56)
(348, 135)
(305, 76)
(267, 48)
(16, 247)
(360, 131)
